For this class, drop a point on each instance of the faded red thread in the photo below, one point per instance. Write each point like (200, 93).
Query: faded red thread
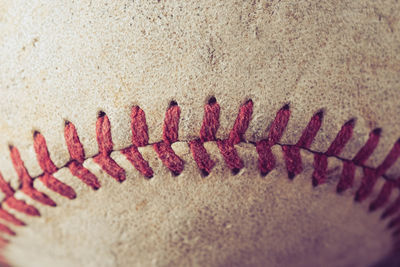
(27, 181)
(266, 160)
(170, 135)
(392, 209)
(241, 123)
(321, 160)
(231, 157)
(49, 168)
(210, 124)
(226, 147)
(394, 222)
(140, 138)
(10, 218)
(104, 141)
(200, 155)
(14, 203)
(21, 206)
(208, 132)
(292, 155)
(348, 172)
(383, 196)
(171, 124)
(77, 154)
(371, 176)
(6, 230)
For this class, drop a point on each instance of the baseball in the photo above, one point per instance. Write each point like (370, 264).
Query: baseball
(199, 133)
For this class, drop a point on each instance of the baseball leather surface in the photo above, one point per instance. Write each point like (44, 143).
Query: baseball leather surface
(199, 133)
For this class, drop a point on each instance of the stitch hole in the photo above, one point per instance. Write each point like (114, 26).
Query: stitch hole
(320, 113)
(101, 114)
(235, 171)
(286, 106)
(175, 173)
(204, 173)
(35, 133)
(212, 100)
(172, 103)
(377, 131)
(248, 101)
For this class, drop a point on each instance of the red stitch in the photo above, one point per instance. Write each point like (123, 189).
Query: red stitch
(103, 134)
(77, 154)
(367, 184)
(392, 209)
(226, 147)
(390, 159)
(383, 196)
(366, 151)
(169, 158)
(321, 160)
(341, 139)
(49, 168)
(5, 187)
(320, 165)
(171, 123)
(371, 176)
(27, 181)
(208, 132)
(210, 124)
(200, 155)
(10, 218)
(6, 230)
(21, 206)
(74, 145)
(13, 203)
(57, 186)
(104, 140)
(310, 131)
(266, 160)
(347, 177)
(84, 174)
(42, 154)
(140, 138)
(111, 167)
(279, 124)
(230, 155)
(394, 222)
(241, 123)
(292, 155)
(133, 155)
(170, 135)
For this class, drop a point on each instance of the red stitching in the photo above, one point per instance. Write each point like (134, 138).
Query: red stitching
(140, 138)
(49, 168)
(104, 141)
(27, 181)
(170, 136)
(208, 131)
(77, 154)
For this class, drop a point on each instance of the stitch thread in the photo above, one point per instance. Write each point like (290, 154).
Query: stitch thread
(208, 131)
(77, 155)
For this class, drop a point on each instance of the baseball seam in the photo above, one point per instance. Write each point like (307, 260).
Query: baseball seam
(208, 131)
